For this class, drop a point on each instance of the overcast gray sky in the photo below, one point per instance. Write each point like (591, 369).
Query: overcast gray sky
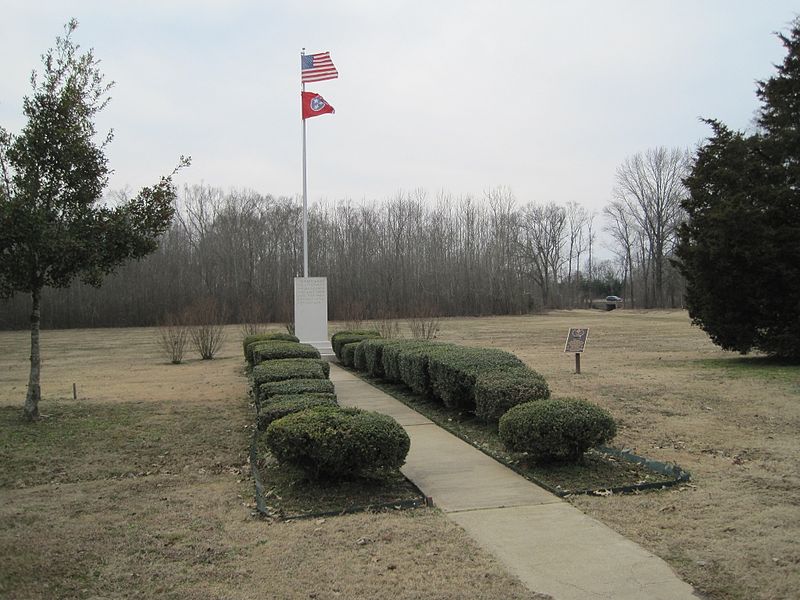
(545, 98)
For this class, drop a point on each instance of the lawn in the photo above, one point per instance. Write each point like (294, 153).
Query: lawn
(141, 487)
(731, 421)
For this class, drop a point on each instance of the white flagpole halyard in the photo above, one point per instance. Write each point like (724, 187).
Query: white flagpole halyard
(305, 186)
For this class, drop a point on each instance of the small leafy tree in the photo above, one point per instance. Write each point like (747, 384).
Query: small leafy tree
(740, 248)
(53, 227)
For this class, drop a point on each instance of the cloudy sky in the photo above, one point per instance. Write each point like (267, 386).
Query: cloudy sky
(544, 98)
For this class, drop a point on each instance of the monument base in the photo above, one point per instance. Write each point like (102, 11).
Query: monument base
(311, 312)
(325, 348)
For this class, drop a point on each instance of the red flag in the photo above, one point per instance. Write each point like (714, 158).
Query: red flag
(314, 105)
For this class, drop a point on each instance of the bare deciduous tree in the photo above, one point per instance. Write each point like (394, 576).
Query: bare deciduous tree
(624, 234)
(173, 337)
(650, 188)
(542, 243)
(205, 320)
(392, 259)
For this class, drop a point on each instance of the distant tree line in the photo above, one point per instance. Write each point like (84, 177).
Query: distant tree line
(408, 256)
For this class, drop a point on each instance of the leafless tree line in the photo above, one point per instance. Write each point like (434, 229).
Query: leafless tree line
(411, 255)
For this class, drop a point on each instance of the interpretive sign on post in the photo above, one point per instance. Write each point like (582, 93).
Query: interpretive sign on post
(576, 342)
(311, 311)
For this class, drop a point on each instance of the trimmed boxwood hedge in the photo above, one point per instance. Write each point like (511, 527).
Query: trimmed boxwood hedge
(341, 338)
(390, 357)
(413, 364)
(274, 349)
(486, 381)
(496, 392)
(348, 354)
(290, 368)
(360, 357)
(334, 443)
(372, 348)
(556, 429)
(280, 406)
(262, 337)
(454, 372)
(295, 386)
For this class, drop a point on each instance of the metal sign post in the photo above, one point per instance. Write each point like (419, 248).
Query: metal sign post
(576, 342)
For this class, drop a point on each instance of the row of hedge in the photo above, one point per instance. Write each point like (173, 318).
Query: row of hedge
(297, 409)
(486, 381)
(493, 384)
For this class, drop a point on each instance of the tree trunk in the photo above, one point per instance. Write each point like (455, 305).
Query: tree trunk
(34, 390)
(629, 257)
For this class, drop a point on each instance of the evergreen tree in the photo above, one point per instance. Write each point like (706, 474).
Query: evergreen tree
(740, 248)
(53, 227)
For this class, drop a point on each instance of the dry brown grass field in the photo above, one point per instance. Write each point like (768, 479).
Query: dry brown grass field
(140, 487)
(732, 421)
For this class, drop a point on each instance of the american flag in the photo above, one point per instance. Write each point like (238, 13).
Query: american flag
(317, 67)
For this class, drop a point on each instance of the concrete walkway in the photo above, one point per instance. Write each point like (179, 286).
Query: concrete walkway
(550, 545)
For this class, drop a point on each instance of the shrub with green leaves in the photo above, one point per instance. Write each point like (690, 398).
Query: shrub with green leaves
(295, 386)
(290, 368)
(339, 339)
(496, 392)
(348, 354)
(413, 365)
(262, 337)
(274, 349)
(453, 372)
(390, 357)
(336, 443)
(279, 406)
(372, 349)
(360, 357)
(556, 429)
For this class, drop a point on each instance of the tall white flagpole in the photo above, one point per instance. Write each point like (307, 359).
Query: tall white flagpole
(305, 186)
(310, 293)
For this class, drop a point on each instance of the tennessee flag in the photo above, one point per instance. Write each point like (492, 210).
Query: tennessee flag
(314, 105)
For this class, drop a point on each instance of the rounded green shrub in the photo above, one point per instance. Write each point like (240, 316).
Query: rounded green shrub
(453, 372)
(295, 386)
(413, 364)
(276, 349)
(390, 357)
(262, 337)
(496, 392)
(341, 338)
(348, 354)
(335, 443)
(360, 357)
(556, 429)
(373, 355)
(290, 368)
(280, 406)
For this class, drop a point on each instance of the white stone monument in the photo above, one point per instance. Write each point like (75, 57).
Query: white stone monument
(311, 312)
